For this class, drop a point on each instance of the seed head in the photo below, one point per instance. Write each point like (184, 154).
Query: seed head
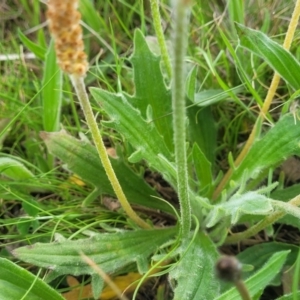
(65, 28)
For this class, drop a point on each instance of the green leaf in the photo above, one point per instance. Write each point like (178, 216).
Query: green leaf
(279, 143)
(90, 15)
(16, 282)
(292, 296)
(202, 130)
(150, 88)
(281, 60)
(39, 51)
(194, 273)
(127, 120)
(203, 171)
(250, 203)
(14, 169)
(285, 195)
(260, 279)
(82, 159)
(257, 255)
(210, 97)
(111, 251)
(52, 91)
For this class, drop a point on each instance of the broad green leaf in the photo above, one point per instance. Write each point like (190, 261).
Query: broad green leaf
(52, 91)
(203, 171)
(111, 251)
(250, 203)
(14, 169)
(39, 51)
(281, 60)
(150, 89)
(16, 282)
(260, 279)
(280, 142)
(194, 273)
(127, 120)
(82, 159)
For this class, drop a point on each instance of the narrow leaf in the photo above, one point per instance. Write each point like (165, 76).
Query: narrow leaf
(52, 91)
(260, 279)
(279, 143)
(203, 171)
(39, 51)
(16, 282)
(257, 255)
(281, 60)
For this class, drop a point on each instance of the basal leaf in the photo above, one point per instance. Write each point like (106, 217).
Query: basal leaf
(280, 142)
(258, 255)
(128, 121)
(281, 60)
(16, 282)
(150, 88)
(82, 159)
(111, 251)
(260, 279)
(194, 274)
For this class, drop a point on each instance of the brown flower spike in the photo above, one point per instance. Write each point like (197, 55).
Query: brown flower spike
(64, 26)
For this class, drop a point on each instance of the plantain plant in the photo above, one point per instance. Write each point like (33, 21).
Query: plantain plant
(168, 127)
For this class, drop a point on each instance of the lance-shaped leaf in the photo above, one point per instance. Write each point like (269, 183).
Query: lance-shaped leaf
(82, 159)
(260, 279)
(279, 143)
(15, 282)
(194, 274)
(129, 122)
(257, 255)
(281, 60)
(111, 251)
(150, 89)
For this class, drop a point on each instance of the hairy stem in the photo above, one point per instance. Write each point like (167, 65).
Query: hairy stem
(79, 86)
(267, 103)
(160, 36)
(180, 34)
